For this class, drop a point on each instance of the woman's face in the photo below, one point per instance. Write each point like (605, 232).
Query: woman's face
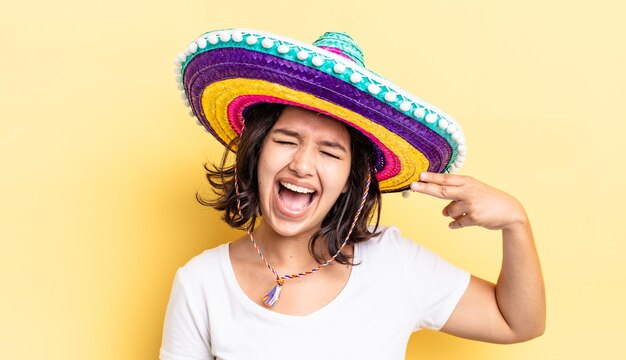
(303, 168)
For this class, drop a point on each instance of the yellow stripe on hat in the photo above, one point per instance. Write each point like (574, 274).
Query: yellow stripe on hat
(217, 96)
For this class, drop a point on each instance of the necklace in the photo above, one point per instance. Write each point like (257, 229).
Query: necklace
(271, 298)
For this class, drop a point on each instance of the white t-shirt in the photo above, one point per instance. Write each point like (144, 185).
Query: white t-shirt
(400, 287)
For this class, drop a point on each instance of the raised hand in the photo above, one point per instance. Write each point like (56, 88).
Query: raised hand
(473, 202)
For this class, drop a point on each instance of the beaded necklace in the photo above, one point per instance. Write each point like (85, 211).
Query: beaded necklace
(271, 298)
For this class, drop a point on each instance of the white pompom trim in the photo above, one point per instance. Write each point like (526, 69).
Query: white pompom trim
(212, 38)
(302, 55)
(339, 68)
(431, 118)
(419, 112)
(251, 40)
(237, 36)
(373, 89)
(356, 78)
(267, 43)
(317, 61)
(225, 36)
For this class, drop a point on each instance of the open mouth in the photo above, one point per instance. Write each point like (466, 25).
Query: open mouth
(295, 199)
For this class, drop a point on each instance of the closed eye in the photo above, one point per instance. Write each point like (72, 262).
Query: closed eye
(284, 142)
(331, 155)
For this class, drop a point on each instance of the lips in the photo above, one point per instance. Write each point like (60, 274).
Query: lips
(294, 200)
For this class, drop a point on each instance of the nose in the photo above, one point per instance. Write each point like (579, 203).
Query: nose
(302, 163)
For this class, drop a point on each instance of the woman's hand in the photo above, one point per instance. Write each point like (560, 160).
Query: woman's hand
(473, 202)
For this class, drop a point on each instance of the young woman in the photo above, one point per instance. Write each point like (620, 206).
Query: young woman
(315, 146)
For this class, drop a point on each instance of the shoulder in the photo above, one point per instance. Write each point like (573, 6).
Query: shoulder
(390, 239)
(203, 267)
(390, 246)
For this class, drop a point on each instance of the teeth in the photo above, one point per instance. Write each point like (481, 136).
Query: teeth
(296, 188)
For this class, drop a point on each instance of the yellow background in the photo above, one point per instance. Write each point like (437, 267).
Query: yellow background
(100, 162)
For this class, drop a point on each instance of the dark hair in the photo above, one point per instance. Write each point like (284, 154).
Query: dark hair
(259, 120)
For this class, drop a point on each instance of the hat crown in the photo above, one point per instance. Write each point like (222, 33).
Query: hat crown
(342, 44)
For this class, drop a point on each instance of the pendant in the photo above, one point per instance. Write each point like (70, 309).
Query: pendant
(272, 297)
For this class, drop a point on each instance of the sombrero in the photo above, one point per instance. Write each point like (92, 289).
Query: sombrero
(223, 72)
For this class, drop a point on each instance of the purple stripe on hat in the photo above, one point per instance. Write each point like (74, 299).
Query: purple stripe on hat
(212, 66)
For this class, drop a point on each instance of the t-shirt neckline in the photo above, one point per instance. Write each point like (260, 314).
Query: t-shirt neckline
(255, 308)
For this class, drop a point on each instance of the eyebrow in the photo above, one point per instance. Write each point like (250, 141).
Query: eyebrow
(327, 143)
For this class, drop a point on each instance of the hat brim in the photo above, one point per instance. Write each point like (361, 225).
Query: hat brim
(226, 76)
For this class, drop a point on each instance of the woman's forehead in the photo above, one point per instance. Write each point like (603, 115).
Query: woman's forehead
(303, 120)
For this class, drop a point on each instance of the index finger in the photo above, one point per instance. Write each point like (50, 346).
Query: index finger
(442, 179)
(439, 191)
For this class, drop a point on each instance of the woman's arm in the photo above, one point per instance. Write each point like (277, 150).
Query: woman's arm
(513, 310)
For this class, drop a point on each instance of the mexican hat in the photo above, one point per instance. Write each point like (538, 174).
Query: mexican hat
(223, 72)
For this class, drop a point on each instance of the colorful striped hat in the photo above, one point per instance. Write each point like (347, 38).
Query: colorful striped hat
(223, 72)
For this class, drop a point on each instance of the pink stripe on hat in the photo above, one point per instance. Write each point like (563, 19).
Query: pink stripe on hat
(240, 103)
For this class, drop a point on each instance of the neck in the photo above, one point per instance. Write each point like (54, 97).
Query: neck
(287, 251)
